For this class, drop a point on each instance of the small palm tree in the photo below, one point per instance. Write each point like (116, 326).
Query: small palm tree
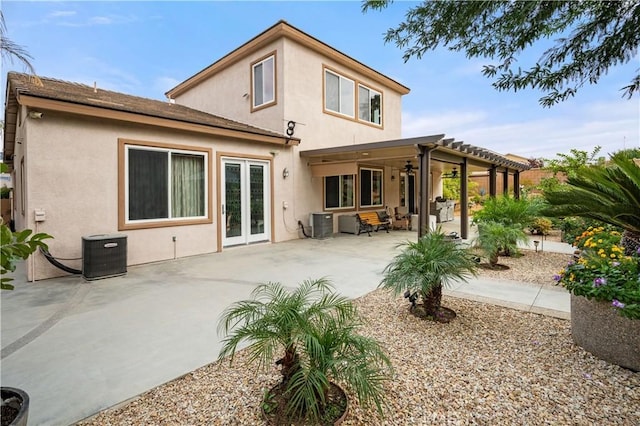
(315, 331)
(495, 238)
(508, 210)
(423, 267)
(607, 193)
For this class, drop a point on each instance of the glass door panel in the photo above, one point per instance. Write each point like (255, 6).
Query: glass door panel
(256, 185)
(245, 201)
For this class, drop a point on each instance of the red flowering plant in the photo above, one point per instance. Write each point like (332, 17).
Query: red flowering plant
(604, 272)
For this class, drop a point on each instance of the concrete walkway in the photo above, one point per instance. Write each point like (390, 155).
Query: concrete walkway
(78, 347)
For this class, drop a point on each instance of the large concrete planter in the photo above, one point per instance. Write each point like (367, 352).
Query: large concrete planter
(600, 330)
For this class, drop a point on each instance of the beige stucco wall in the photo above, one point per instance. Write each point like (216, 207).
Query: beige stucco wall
(72, 174)
(299, 85)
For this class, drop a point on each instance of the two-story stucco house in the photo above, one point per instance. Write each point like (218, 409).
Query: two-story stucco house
(242, 152)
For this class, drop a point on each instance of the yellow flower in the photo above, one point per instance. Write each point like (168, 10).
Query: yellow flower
(613, 255)
(603, 255)
(600, 240)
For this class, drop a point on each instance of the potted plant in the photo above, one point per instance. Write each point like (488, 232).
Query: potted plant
(14, 406)
(605, 298)
(423, 267)
(604, 281)
(311, 333)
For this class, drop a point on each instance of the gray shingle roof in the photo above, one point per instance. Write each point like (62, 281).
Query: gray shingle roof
(82, 94)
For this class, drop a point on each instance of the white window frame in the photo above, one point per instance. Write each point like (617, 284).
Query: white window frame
(361, 187)
(340, 192)
(267, 91)
(345, 85)
(169, 151)
(371, 93)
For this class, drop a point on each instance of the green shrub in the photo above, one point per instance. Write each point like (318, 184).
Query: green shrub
(509, 211)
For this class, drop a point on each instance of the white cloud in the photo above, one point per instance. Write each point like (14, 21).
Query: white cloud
(613, 126)
(61, 13)
(96, 20)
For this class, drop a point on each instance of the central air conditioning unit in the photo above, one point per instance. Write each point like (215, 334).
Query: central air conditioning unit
(104, 256)
(321, 225)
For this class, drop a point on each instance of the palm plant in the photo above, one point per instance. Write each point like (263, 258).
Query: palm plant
(508, 210)
(423, 267)
(315, 330)
(495, 238)
(607, 193)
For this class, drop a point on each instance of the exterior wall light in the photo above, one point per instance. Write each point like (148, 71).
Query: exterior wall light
(285, 173)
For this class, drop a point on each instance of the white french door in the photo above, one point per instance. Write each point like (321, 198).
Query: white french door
(245, 202)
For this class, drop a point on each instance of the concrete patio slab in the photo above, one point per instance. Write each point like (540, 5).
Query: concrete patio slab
(98, 343)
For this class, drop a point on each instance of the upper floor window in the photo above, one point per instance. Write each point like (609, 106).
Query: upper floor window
(164, 184)
(369, 105)
(339, 94)
(370, 187)
(264, 82)
(338, 192)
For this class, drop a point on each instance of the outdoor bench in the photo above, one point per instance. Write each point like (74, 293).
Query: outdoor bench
(369, 220)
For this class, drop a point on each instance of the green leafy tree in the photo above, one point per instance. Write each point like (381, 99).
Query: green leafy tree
(608, 193)
(593, 36)
(568, 165)
(423, 267)
(314, 330)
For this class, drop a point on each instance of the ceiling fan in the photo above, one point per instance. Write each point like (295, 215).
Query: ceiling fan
(409, 168)
(452, 174)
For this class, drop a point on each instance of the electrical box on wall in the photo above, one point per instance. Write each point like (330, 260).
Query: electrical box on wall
(39, 215)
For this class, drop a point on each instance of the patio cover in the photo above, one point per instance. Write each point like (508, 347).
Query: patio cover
(434, 152)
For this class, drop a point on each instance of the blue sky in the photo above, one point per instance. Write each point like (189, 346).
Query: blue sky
(145, 48)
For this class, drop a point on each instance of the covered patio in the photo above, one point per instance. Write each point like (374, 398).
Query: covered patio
(428, 159)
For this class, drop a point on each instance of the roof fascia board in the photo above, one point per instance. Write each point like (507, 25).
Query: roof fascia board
(397, 143)
(91, 111)
(280, 30)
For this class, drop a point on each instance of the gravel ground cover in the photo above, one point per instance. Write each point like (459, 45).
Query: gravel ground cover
(490, 366)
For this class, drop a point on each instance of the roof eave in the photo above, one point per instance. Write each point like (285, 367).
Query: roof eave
(279, 30)
(154, 120)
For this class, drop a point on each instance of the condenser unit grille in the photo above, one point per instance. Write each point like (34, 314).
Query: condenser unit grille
(321, 225)
(104, 256)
